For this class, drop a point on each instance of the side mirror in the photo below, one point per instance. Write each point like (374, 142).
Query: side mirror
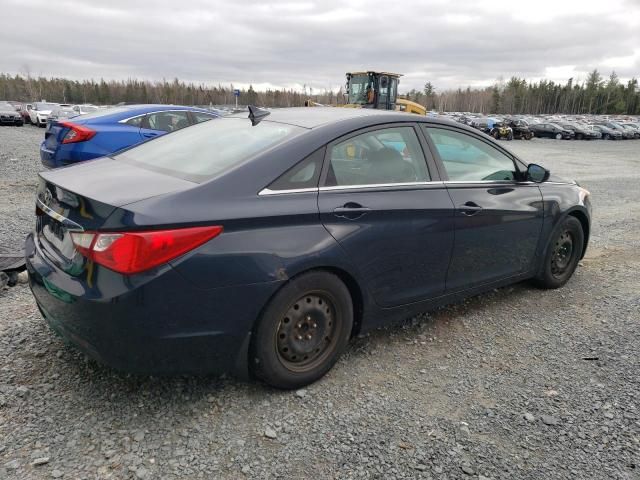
(537, 174)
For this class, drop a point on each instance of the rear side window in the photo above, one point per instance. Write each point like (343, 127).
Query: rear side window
(202, 117)
(303, 175)
(135, 121)
(208, 149)
(384, 156)
(167, 121)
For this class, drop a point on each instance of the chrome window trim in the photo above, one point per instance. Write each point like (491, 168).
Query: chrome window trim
(268, 191)
(378, 185)
(506, 182)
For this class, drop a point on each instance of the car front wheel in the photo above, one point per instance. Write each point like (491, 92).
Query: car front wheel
(303, 331)
(563, 254)
(558, 136)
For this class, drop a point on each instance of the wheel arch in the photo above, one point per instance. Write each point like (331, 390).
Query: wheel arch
(584, 221)
(355, 291)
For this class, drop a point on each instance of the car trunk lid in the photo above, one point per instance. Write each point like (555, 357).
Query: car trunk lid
(82, 198)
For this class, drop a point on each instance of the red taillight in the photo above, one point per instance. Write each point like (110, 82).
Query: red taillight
(77, 133)
(135, 252)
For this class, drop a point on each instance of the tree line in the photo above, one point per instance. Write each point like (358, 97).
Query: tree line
(596, 95)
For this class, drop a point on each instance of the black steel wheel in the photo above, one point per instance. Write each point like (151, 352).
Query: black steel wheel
(303, 331)
(307, 332)
(563, 254)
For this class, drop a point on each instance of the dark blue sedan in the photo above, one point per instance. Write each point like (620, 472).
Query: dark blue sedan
(261, 246)
(104, 132)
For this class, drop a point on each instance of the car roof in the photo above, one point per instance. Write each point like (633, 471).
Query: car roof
(121, 112)
(312, 117)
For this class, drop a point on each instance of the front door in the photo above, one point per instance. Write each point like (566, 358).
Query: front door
(395, 224)
(497, 217)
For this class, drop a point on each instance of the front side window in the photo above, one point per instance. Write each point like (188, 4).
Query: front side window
(466, 158)
(168, 121)
(385, 156)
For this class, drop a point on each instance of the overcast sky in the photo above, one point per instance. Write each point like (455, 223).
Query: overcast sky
(292, 43)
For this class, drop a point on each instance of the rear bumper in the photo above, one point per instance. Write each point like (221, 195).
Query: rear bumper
(163, 326)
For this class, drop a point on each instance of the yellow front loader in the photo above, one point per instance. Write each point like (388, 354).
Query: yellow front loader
(377, 90)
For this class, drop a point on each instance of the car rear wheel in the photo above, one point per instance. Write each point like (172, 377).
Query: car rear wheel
(302, 332)
(606, 136)
(579, 136)
(563, 254)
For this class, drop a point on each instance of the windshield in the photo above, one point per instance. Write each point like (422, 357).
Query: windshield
(86, 108)
(359, 87)
(6, 106)
(203, 151)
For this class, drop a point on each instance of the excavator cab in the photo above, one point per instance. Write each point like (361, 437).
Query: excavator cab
(373, 90)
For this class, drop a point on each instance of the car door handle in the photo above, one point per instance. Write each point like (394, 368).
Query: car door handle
(469, 209)
(351, 210)
(150, 134)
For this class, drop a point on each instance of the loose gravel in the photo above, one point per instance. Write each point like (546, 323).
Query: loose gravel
(515, 384)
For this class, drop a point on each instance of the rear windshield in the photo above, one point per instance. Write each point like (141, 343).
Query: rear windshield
(208, 149)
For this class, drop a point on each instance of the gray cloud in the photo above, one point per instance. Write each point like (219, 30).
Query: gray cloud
(313, 43)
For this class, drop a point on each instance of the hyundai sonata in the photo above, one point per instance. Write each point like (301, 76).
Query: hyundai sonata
(261, 246)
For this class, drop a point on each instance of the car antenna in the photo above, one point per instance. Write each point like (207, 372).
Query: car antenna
(256, 115)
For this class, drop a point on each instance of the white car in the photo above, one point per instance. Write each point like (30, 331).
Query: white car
(84, 109)
(40, 111)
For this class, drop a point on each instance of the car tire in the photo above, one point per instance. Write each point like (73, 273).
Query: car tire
(302, 332)
(563, 254)
(579, 136)
(606, 136)
(558, 136)
(510, 136)
(19, 124)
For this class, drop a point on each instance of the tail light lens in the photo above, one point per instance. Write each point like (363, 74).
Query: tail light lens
(135, 252)
(77, 133)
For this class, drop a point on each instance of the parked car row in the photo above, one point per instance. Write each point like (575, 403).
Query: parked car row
(559, 127)
(38, 113)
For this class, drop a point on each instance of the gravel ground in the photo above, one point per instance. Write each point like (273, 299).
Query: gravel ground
(516, 384)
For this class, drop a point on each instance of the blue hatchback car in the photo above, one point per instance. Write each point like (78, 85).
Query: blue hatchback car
(99, 134)
(263, 245)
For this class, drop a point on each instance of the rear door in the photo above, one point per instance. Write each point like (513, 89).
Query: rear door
(158, 123)
(498, 218)
(389, 212)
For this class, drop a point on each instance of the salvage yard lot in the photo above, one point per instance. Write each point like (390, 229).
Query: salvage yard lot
(519, 383)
